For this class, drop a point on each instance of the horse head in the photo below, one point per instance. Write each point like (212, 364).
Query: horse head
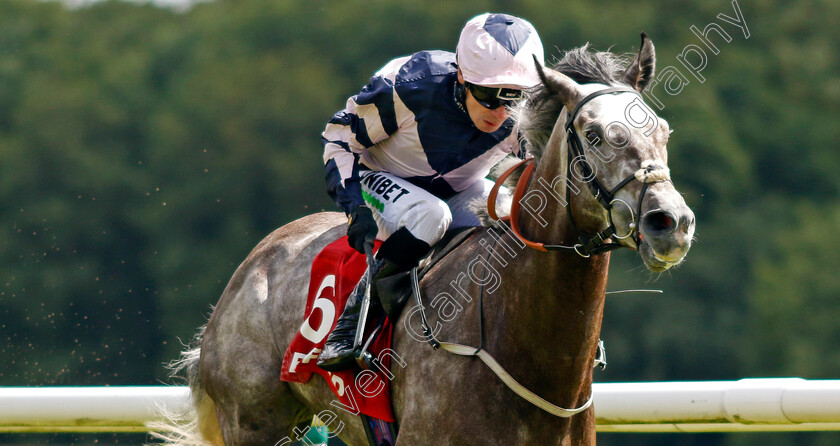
(611, 149)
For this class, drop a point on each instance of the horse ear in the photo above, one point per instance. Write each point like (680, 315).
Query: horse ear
(558, 84)
(641, 70)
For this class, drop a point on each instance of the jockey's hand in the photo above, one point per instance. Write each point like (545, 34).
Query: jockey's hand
(362, 228)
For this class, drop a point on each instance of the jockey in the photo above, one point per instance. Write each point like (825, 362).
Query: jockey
(413, 148)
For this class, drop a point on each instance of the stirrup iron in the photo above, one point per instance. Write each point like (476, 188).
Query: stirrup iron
(363, 313)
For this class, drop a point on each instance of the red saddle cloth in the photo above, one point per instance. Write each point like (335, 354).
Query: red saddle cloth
(335, 272)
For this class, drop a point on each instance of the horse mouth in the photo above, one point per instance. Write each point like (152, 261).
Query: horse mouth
(655, 262)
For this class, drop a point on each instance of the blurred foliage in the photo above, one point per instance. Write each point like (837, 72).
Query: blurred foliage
(146, 151)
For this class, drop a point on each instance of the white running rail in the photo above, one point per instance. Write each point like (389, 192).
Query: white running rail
(777, 404)
(86, 409)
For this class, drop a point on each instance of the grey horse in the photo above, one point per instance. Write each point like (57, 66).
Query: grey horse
(540, 304)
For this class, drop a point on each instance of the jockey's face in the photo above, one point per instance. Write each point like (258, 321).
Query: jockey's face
(486, 120)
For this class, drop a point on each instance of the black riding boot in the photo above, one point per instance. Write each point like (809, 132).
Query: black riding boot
(338, 352)
(399, 253)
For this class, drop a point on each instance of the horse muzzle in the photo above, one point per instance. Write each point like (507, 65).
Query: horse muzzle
(665, 236)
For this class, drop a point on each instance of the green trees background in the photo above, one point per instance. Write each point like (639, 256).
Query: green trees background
(144, 152)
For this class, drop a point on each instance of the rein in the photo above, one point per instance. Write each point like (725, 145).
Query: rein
(588, 244)
(489, 360)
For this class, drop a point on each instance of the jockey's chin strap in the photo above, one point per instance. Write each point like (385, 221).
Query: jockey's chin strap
(588, 244)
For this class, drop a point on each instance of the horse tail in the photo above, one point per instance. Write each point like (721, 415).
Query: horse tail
(197, 424)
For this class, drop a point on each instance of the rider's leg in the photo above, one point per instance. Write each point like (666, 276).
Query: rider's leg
(338, 351)
(410, 220)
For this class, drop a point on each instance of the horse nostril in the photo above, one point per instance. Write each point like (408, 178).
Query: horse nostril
(686, 223)
(659, 221)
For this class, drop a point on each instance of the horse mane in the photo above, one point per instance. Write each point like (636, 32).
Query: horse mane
(537, 115)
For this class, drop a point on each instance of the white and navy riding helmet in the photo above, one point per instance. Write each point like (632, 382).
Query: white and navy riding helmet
(497, 50)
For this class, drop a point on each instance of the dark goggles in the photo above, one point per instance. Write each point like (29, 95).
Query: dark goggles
(493, 98)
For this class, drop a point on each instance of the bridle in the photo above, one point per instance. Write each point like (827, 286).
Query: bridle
(597, 243)
(648, 173)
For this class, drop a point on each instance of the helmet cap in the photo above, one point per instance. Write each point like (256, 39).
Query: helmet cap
(498, 50)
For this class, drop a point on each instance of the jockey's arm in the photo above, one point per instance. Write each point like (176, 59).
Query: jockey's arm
(367, 119)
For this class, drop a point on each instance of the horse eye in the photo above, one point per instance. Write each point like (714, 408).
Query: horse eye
(593, 138)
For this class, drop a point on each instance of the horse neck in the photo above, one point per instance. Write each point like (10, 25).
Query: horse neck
(554, 303)
(547, 191)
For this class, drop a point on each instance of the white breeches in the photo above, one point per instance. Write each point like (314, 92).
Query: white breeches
(397, 203)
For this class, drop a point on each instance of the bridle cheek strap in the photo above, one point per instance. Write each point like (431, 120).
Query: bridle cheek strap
(649, 173)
